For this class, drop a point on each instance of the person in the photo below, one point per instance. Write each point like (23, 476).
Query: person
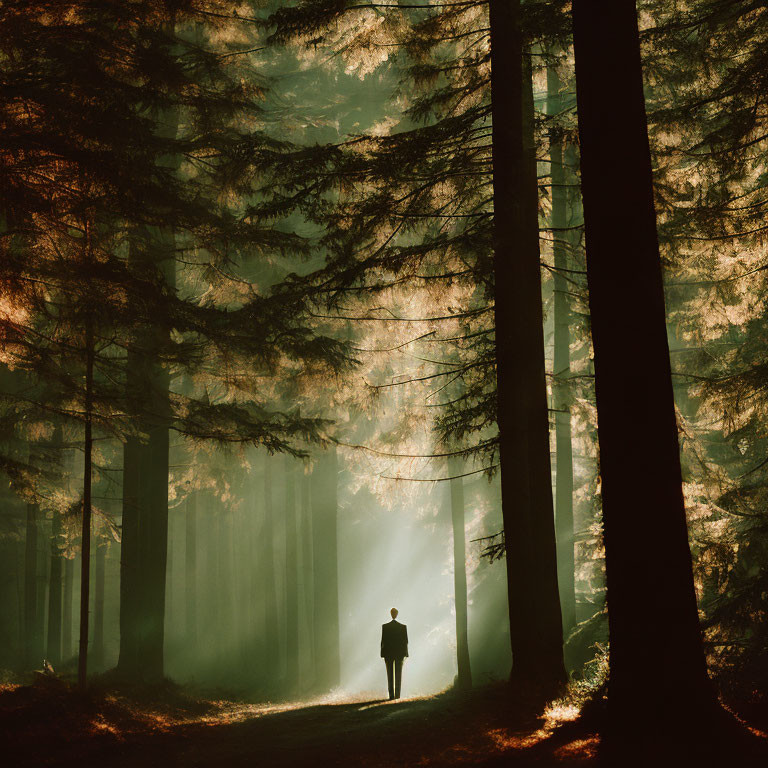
(394, 648)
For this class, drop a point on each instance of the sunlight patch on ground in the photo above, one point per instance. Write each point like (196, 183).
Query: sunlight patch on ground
(101, 725)
(503, 740)
(751, 728)
(342, 696)
(558, 712)
(371, 703)
(228, 712)
(581, 748)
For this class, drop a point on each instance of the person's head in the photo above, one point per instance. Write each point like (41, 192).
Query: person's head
(393, 613)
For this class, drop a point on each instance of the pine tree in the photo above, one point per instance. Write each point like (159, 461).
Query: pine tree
(631, 575)
(464, 674)
(703, 78)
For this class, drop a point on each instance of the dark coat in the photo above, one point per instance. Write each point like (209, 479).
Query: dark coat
(394, 640)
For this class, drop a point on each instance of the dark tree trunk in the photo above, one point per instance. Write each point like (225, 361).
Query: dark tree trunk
(254, 647)
(53, 644)
(641, 480)
(147, 465)
(85, 549)
(130, 562)
(11, 617)
(41, 600)
(56, 570)
(226, 588)
(562, 247)
(33, 635)
(145, 502)
(170, 606)
(66, 617)
(523, 418)
(464, 676)
(291, 577)
(190, 580)
(211, 622)
(145, 528)
(271, 628)
(216, 584)
(97, 648)
(243, 554)
(326, 575)
(154, 521)
(306, 557)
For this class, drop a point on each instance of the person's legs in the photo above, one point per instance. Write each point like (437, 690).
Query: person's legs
(398, 676)
(390, 664)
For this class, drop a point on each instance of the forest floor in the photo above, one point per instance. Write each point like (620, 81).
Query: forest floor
(50, 724)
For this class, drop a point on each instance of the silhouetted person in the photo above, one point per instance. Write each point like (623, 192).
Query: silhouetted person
(394, 648)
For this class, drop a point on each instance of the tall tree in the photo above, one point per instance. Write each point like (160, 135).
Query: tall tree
(66, 620)
(99, 577)
(305, 525)
(190, 572)
(33, 631)
(292, 565)
(85, 533)
(562, 221)
(523, 419)
(53, 641)
(267, 558)
(679, 700)
(464, 676)
(325, 570)
(704, 63)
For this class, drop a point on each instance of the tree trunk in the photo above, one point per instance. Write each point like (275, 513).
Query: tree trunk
(170, 606)
(306, 556)
(291, 577)
(561, 220)
(326, 575)
(145, 509)
(66, 618)
(215, 586)
(211, 621)
(130, 562)
(464, 676)
(243, 553)
(154, 520)
(146, 464)
(227, 562)
(641, 480)
(82, 658)
(33, 637)
(41, 600)
(271, 629)
(53, 644)
(97, 649)
(254, 646)
(523, 417)
(190, 580)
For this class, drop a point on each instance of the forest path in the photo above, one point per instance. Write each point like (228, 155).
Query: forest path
(448, 729)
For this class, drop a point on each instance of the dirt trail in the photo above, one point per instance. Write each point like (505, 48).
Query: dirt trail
(50, 725)
(447, 729)
(441, 730)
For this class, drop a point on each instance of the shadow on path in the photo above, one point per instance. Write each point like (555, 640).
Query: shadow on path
(56, 728)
